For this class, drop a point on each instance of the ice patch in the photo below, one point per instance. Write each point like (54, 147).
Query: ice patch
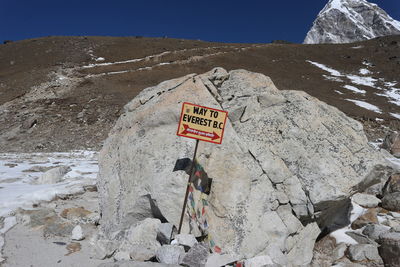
(354, 89)
(365, 105)
(19, 171)
(364, 71)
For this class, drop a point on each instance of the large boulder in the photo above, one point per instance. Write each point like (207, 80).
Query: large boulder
(286, 159)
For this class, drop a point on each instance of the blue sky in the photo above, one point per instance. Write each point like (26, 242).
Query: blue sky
(218, 20)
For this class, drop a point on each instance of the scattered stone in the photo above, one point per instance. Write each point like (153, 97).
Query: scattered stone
(369, 217)
(374, 231)
(361, 239)
(392, 144)
(216, 259)
(165, 233)
(339, 251)
(79, 214)
(393, 184)
(390, 248)
(260, 261)
(121, 256)
(391, 201)
(54, 175)
(366, 200)
(77, 233)
(197, 255)
(393, 224)
(29, 123)
(170, 254)
(141, 240)
(186, 240)
(136, 264)
(394, 214)
(72, 248)
(362, 252)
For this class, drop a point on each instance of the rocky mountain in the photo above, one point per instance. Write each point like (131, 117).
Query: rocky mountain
(347, 21)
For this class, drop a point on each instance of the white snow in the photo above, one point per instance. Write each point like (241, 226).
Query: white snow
(396, 115)
(354, 89)
(17, 188)
(100, 59)
(367, 81)
(364, 71)
(340, 93)
(333, 72)
(340, 234)
(393, 94)
(357, 47)
(390, 84)
(332, 78)
(365, 105)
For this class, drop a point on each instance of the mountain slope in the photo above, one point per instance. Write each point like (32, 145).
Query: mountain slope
(347, 21)
(62, 93)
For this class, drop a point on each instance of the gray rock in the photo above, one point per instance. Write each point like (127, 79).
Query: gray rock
(136, 264)
(186, 240)
(217, 260)
(362, 252)
(390, 248)
(121, 256)
(374, 231)
(361, 239)
(392, 185)
(260, 261)
(339, 251)
(346, 21)
(165, 233)
(301, 252)
(272, 138)
(392, 143)
(141, 240)
(391, 201)
(170, 254)
(77, 233)
(197, 255)
(366, 201)
(54, 175)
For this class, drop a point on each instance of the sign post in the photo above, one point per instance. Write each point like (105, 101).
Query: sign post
(200, 123)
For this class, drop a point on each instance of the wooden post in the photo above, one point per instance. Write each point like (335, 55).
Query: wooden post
(187, 187)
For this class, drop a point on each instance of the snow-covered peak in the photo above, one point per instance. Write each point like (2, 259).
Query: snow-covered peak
(346, 21)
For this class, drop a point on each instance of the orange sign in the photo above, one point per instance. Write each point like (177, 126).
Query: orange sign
(202, 123)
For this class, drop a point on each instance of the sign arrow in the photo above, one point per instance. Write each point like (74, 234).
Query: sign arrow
(188, 130)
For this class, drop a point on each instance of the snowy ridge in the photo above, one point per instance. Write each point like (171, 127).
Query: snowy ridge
(346, 21)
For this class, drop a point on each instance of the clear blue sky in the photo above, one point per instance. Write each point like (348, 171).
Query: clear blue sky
(216, 20)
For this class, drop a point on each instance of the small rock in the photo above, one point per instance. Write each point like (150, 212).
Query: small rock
(361, 239)
(394, 214)
(366, 200)
(165, 233)
(140, 253)
(54, 175)
(362, 252)
(121, 256)
(220, 260)
(170, 254)
(186, 240)
(373, 231)
(392, 144)
(77, 233)
(339, 251)
(391, 201)
(76, 214)
(29, 123)
(136, 264)
(392, 185)
(259, 261)
(369, 217)
(393, 224)
(390, 248)
(197, 255)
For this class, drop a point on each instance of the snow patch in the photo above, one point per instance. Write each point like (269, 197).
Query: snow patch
(18, 172)
(364, 71)
(354, 89)
(332, 78)
(396, 115)
(365, 105)
(366, 81)
(340, 93)
(333, 72)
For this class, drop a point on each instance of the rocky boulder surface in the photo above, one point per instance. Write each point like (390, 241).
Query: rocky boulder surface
(347, 21)
(287, 165)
